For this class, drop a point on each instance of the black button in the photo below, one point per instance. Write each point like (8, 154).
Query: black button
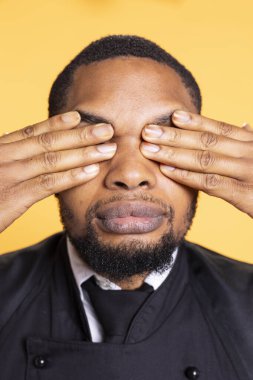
(192, 373)
(39, 362)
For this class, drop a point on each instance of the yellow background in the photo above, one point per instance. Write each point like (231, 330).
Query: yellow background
(212, 38)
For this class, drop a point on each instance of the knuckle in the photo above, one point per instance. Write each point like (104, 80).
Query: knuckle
(73, 174)
(7, 175)
(174, 134)
(169, 153)
(47, 182)
(185, 174)
(28, 131)
(46, 140)
(52, 121)
(5, 194)
(210, 182)
(208, 139)
(84, 153)
(82, 135)
(50, 159)
(205, 159)
(225, 129)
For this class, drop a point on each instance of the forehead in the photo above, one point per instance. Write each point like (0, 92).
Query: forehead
(129, 85)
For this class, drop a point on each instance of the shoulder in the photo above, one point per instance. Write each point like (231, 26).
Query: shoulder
(212, 267)
(216, 260)
(224, 290)
(22, 271)
(29, 255)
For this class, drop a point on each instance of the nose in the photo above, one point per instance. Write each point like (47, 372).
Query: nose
(130, 170)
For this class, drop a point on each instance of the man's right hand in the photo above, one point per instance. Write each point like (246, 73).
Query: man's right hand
(47, 158)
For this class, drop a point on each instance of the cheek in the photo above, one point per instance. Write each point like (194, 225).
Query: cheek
(180, 197)
(78, 200)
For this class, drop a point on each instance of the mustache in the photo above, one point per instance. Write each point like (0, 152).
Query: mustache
(168, 209)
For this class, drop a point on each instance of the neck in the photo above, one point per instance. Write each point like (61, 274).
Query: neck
(131, 283)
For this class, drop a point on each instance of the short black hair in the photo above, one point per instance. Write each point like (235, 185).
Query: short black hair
(117, 46)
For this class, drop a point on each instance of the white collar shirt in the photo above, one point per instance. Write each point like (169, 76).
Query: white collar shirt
(82, 273)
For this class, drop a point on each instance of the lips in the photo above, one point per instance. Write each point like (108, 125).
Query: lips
(130, 217)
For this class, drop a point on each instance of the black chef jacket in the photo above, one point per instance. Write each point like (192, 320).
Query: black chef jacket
(200, 319)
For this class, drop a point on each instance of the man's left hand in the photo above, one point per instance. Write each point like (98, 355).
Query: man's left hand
(206, 155)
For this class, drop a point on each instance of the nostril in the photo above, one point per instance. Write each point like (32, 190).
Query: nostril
(144, 184)
(128, 186)
(121, 184)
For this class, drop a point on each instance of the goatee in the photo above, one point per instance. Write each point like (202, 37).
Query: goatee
(134, 257)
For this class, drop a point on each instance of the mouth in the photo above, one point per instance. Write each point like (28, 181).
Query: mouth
(129, 217)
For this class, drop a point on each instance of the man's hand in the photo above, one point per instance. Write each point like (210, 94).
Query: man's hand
(46, 158)
(206, 155)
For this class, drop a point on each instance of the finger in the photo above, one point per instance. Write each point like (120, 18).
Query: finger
(59, 122)
(187, 120)
(53, 162)
(47, 184)
(229, 189)
(247, 127)
(55, 141)
(203, 140)
(197, 161)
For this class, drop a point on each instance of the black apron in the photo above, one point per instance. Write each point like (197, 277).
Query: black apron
(49, 338)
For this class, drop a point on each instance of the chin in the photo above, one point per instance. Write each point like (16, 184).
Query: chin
(114, 240)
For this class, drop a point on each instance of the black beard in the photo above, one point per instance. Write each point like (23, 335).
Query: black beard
(125, 260)
(122, 261)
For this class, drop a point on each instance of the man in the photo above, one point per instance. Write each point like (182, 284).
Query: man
(120, 294)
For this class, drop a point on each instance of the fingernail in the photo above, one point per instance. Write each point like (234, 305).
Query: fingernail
(102, 130)
(90, 169)
(181, 116)
(70, 117)
(168, 168)
(247, 126)
(106, 148)
(151, 147)
(153, 131)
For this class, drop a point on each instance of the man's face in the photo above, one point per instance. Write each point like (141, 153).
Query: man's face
(130, 203)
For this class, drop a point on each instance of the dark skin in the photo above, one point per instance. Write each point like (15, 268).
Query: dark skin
(131, 97)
